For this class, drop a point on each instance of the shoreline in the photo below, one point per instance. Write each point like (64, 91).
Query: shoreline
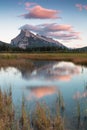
(77, 58)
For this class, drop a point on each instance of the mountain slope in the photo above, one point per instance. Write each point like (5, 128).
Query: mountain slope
(4, 46)
(1, 43)
(83, 49)
(27, 39)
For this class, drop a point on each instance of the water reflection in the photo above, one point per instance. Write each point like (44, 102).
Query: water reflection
(58, 71)
(39, 92)
(44, 81)
(44, 74)
(79, 95)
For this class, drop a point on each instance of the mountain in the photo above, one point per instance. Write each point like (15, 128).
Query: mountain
(83, 49)
(27, 39)
(3, 43)
(4, 46)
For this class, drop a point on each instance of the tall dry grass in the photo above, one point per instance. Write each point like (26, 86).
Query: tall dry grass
(74, 57)
(40, 120)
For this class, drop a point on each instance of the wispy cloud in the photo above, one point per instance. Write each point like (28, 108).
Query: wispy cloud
(62, 32)
(19, 3)
(81, 7)
(29, 4)
(38, 12)
(65, 35)
(85, 7)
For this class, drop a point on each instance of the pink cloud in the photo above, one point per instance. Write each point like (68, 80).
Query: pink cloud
(85, 7)
(62, 27)
(52, 27)
(29, 4)
(56, 27)
(38, 12)
(66, 36)
(63, 77)
(81, 7)
(62, 32)
(40, 92)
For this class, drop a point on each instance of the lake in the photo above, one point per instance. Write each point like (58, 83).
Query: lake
(43, 84)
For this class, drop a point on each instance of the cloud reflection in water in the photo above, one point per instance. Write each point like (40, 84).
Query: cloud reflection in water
(40, 92)
(63, 71)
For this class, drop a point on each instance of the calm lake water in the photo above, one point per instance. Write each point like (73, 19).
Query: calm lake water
(45, 81)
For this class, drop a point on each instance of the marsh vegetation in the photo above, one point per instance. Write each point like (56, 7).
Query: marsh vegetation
(80, 58)
(41, 118)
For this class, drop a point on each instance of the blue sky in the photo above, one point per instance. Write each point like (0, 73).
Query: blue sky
(63, 20)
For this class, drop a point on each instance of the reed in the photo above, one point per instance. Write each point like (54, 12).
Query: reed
(78, 111)
(24, 119)
(41, 119)
(60, 105)
(7, 117)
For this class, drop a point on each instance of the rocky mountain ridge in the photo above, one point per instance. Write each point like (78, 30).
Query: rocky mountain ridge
(27, 39)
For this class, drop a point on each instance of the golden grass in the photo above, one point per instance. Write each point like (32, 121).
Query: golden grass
(20, 64)
(74, 57)
(41, 116)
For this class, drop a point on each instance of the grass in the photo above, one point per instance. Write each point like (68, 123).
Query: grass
(20, 64)
(81, 111)
(79, 58)
(41, 119)
(6, 111)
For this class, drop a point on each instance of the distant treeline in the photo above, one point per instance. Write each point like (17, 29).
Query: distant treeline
(10, 48)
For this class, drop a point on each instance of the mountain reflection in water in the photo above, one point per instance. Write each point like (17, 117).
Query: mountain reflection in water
(44, 74)
(58, 71)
